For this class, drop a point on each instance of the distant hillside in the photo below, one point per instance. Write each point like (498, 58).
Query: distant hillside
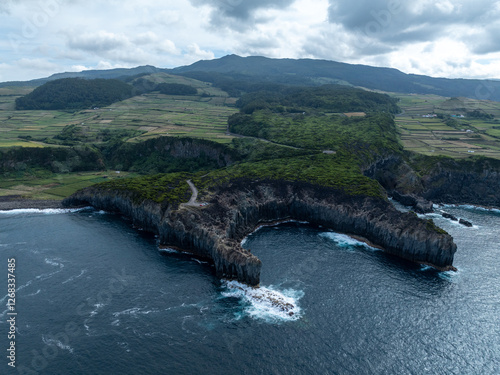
(316, 72)
(235, 74)
(75, 93)
(119, 73)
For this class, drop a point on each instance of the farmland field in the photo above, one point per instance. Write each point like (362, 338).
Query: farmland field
(454, 133)
(152, 114)
(56, 186)
(446, 129)
(146, 116)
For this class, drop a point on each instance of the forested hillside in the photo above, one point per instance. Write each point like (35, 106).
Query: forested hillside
(75, 93)
(327, 98)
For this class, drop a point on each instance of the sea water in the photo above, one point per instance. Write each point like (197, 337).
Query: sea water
(96, 296)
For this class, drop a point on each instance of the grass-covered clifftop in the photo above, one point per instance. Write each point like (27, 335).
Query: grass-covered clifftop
(168, 188)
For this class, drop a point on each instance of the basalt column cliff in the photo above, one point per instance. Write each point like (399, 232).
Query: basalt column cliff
(214, 231)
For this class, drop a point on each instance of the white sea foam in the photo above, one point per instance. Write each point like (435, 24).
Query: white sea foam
(244, 240)
(266, 303)
(450, 275)
(2, 315)
(343, 240)
(98, 306)
(75, 277)
(169, 250)
(33, 294)
(134, 311)
(46, 211)
(54, 262)
(199, 261)
(18, 289)
(58, 343)
(471, 207)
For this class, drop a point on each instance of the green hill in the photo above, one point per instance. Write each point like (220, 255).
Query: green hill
(314, 72)
(75, 93)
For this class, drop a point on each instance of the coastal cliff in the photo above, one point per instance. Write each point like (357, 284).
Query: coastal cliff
(417, 179)
(237, 207)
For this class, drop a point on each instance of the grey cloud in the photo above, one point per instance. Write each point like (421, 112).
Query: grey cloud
(400, 22)
(238, 13)
(486, 42)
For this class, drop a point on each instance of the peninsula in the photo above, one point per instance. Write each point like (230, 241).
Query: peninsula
(202, 158)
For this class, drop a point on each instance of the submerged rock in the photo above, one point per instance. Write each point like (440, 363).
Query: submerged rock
(418, 204)
(423, 206)
(465, 222)
(446, 215)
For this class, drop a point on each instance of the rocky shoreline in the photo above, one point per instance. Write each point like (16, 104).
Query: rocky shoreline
(215, 231)
(16, 202)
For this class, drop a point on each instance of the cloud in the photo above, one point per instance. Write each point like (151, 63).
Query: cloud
(395, 21)
(97, 42)
(435, 37)
(238, 14)
(36, 68)
(142, 48)
(36, 64)
(195, 53)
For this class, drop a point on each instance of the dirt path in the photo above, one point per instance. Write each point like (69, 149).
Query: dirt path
(263, 140)
(192, 201)
(194, 195)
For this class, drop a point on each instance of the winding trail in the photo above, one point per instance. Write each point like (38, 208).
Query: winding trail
(194, 195)
(264, 140)
(280, 144)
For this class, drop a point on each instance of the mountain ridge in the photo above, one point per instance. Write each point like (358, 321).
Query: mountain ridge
(305, 72)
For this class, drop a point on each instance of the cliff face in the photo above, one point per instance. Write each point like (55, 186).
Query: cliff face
(447, 181)
(187, 148)
(216, 230)
(481, 187)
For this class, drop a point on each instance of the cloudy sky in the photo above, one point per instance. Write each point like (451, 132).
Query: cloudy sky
(459, 38)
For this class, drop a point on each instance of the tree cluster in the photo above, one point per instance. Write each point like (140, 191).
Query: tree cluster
(327, 98)
(176, 89)
(74, 94)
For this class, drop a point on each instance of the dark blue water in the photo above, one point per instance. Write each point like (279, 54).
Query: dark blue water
(96, 296)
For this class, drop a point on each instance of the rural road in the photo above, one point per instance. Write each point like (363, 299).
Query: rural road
(263, 140)
(194, 195)
(278, 144)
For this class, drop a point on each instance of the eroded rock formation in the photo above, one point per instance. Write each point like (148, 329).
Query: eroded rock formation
(235, 210)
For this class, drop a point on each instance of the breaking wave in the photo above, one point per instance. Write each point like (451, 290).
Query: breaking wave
(343, 240)
(266, 303)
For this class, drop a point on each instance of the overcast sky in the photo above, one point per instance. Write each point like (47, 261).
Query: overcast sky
(444, 38)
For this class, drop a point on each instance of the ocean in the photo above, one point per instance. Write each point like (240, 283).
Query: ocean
(94, 295)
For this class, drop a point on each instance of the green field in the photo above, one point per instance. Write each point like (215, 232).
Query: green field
(153, 114)
(459, 138)
(150, 115)
(56, 186)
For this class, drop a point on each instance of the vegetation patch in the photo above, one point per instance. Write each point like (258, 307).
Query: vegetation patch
(75, 93)
(333, 171)
(169, 188)
(176, 89)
